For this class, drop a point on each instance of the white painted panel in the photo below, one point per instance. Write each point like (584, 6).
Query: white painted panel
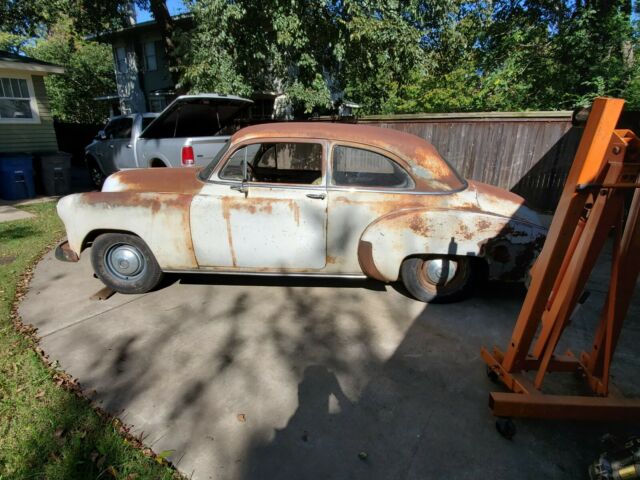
(271, 228)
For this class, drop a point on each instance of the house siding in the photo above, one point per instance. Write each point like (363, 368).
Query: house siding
(31, 137)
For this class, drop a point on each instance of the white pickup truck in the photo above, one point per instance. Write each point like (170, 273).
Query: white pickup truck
(190, 131)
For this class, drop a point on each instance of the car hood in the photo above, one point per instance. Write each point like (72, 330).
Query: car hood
(504, 203)
(160, 180)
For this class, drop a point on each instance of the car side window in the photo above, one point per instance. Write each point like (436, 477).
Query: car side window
(295, 163)
(123, 128)
(358, 167)
(108, 129)
(119, 128)
(235, 166)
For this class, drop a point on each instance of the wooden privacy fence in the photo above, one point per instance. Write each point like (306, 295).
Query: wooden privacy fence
(528, 153)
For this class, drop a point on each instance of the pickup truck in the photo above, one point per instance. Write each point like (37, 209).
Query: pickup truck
(189, 132)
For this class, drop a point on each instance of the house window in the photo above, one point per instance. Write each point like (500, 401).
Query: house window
(17, 102)
(150, 56)
(121, 59)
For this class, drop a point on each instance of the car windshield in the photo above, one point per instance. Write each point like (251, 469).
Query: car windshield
(206, 172)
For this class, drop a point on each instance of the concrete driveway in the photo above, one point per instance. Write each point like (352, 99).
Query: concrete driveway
(255, 378)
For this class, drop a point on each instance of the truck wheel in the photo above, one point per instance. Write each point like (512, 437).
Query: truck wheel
(438, 279)
(124, 263)
(95, 172)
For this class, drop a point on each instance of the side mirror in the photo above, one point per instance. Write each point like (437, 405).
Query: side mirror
(101, 135)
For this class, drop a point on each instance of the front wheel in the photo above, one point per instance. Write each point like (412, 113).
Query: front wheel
(96, 174)
(438, 279)
(124, 263)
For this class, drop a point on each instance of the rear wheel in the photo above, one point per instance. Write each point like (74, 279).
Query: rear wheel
(438, 279)
(155, 163)
(124, 263)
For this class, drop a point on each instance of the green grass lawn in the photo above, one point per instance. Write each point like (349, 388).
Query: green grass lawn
(47, 431)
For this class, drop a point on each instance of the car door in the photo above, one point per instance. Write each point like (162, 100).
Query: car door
(264, 209)
(365, 184)
(121, 144)
(102, 150)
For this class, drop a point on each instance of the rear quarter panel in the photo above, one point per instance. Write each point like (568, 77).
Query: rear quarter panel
(508, 245)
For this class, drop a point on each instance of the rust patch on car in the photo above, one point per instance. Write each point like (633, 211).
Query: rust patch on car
(483, 225)
(464, 232)
(160, 180)
(331, 260)
(495, 192)
(226, 214)
(419, 225)
(365, 259)
(296, 211)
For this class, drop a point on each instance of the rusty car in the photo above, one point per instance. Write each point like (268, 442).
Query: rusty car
(306, 199)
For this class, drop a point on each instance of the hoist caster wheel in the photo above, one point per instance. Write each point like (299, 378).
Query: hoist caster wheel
(493, 376)
(506, 427)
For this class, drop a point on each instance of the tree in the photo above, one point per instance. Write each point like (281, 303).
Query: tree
(88, 73)
(273, 46)
(30, 17)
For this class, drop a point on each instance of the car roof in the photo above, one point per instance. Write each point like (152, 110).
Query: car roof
(428, 168)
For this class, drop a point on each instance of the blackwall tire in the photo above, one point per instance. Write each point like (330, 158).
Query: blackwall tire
(124, 263)
(456, 278)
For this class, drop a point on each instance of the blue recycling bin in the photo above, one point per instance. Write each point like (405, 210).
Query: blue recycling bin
(16, 177)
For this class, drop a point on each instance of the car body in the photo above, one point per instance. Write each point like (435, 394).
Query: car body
(204, 122)
(310, 199)
(114, 147)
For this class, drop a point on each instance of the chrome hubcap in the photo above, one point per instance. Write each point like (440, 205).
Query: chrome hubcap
(439, 271)
(125, 261)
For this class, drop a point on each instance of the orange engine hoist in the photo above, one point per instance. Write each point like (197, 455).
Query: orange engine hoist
(605, 167)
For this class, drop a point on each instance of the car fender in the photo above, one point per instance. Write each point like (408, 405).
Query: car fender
(161, 220)
(508, 245)
(147, 149)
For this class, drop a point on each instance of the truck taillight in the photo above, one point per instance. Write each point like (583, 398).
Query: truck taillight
(188, 159)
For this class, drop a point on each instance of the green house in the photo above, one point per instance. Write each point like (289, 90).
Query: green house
(26, 125)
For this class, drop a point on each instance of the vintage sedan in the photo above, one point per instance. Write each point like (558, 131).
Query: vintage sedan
(306, 199)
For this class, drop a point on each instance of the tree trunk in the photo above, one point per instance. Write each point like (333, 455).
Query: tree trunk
(162, 17)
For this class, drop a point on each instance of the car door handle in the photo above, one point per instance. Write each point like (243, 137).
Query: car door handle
(111, 146)
(316, 196)
(129, 146)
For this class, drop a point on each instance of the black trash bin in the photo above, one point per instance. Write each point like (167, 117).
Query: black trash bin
(56, 173)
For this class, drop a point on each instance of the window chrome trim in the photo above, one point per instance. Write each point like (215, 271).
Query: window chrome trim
(216, 179)
(388, 155)
(288, 186)
(336, 188)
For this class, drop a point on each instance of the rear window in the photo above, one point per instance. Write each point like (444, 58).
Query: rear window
(198, 118)
(357, 167)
